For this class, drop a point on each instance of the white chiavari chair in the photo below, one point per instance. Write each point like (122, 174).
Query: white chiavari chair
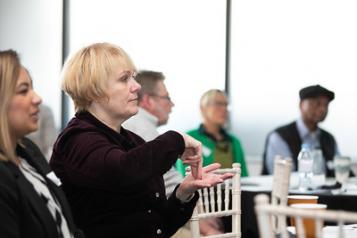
(219, 201)
(280, 191)
(266, 211)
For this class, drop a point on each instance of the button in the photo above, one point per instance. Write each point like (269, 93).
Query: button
(149, 211)
(157, 194)
(158, 231)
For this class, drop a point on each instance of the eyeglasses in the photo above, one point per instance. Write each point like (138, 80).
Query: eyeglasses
(162, 97)
(219, 104)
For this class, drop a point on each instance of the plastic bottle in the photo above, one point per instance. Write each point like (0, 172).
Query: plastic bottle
(319, 171)
(305, 168)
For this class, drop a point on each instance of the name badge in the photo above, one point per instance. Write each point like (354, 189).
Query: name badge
(206, 151)
(52, 176)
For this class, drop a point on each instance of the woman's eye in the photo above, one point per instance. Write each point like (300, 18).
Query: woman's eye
(125, 78)
(23, 91)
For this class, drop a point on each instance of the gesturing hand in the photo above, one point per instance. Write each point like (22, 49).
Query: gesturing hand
(193, 155)
(190, 185)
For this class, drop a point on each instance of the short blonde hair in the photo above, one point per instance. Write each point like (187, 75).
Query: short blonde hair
(10, 67)
(86, 73)
(209, 96)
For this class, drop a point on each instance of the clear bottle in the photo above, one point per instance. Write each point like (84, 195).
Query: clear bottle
(319, 169)
(305, 168)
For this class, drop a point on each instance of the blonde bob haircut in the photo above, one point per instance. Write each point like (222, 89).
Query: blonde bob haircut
(10, 67)
(209, 96)
(86, 73)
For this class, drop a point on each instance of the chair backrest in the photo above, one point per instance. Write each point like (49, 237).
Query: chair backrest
(281, 180)
(280, 191)
(219, 201)
(266, 211)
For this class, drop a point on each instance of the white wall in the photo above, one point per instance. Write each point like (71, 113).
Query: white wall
(34, 29)
(184, 39)
(280, 46)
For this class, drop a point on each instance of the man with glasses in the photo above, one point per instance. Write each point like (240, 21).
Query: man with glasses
(154, 108)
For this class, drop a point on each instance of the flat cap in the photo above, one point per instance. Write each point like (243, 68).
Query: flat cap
(315, 91)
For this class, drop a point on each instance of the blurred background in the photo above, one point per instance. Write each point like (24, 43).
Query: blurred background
(260, 51)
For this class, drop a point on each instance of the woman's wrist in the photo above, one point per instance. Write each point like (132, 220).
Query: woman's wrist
(183, 197)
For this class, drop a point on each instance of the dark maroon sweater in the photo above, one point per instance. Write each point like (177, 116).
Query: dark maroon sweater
(114, 181)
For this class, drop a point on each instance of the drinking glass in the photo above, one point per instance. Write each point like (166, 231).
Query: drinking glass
(309, 223)
(342, 165)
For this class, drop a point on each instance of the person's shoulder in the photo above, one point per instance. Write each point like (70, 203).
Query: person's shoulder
(77, 132)
(4, 167)
(77, 126)
(233, 137)
(285, 126)
(327, 134)
(7, 173)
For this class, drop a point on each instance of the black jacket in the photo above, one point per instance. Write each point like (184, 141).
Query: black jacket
(22, 211)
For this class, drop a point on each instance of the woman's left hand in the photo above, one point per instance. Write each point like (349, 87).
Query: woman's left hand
(190, 185)
(192, 155)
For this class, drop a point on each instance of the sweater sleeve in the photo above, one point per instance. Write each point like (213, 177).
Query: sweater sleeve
(177, 212)
(91, 159)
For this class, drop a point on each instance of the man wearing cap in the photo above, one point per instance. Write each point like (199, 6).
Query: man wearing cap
(287, 140)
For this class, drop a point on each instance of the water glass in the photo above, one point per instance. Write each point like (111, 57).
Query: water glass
(342, 166)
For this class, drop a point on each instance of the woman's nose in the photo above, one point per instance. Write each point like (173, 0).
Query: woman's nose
(136, 86)
(36, 98)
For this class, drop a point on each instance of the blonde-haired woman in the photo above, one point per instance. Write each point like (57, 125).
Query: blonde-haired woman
(31, 202)
(112, 178)
(217, 144)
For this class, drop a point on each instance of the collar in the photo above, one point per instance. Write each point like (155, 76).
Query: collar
(223, 132)
(148, 116)
(304, 131)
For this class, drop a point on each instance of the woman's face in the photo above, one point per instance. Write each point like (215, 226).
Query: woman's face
(24, 107)
(123, 95)
(216, 112)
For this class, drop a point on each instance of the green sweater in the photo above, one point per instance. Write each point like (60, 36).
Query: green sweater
(208, 151)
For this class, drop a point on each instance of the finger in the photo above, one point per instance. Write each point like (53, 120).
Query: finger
(194, 171)
(211, 167)
(194, 159)
(199, 150)
(227, 176)
(191, 160)
(197, 170)
(202, 184)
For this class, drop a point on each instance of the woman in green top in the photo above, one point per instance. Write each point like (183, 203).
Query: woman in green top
(217, 145)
